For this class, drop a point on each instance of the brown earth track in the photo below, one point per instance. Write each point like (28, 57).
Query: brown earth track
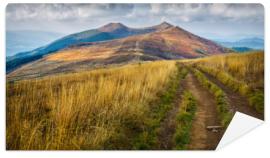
(206, 115)
(168, 126)
(236, 101)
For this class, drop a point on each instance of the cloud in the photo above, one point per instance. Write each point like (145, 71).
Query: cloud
(216, 12)
(63, 11)
(238, 11)
(185, 12)
(74, 17)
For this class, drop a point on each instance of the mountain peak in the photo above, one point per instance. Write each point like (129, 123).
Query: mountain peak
(175, 29)
(112, 27)
(165, 23)
(162, 26)
(119, 44)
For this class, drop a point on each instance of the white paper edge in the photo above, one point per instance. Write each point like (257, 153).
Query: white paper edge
(240, 125)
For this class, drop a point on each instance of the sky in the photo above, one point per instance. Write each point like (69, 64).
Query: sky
(215, 21)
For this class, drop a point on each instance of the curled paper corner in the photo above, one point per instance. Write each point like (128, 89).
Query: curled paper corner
(240, 125)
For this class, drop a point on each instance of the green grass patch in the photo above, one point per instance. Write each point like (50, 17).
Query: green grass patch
(148, 139)
(257, 101)
(185, 118)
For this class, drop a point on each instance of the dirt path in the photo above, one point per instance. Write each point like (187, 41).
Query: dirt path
(168, 126)
(237, 102)
(206, 115)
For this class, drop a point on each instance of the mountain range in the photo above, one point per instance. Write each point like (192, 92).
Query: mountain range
(251, 43)
(113, 43)
(107, 32)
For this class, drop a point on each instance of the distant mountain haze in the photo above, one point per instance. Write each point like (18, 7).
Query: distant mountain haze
(25, 40)
(253, 43)
(113, 43)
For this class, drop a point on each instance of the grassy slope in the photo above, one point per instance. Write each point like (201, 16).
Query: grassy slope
(89, 110)
(116, 108)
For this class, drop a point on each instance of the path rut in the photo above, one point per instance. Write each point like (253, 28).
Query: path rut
(236, 101)
(206, 115)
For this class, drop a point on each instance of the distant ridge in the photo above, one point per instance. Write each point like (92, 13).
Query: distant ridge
(252, 43)
(107, 32)
(160, 42)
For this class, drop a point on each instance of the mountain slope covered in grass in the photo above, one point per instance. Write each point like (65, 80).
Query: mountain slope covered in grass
(106, 32)
(167, 43)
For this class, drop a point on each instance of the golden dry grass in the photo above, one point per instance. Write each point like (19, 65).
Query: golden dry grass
(83, 110)
(243, 73)
(104, 108)
(79, 55)
(248, 67)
